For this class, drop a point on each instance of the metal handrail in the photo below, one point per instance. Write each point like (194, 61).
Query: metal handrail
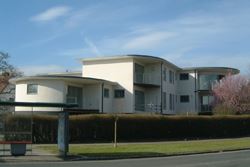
(148, 107)
(147, 78)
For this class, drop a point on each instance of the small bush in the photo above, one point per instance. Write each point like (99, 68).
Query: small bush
(223, 110)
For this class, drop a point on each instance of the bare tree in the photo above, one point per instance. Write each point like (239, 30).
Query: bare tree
(7, 71)
(233, 92)
(6, 68)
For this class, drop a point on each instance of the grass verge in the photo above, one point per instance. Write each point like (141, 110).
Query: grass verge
(126, 150)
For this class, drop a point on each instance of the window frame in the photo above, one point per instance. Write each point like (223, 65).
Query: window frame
(181, 78)
(164, 101)
(184, 100)
(29, 90)
(164, 74)
(106, 93)
(117, 96)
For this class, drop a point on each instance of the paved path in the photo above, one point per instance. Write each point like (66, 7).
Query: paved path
(225, 159)
(36, 155)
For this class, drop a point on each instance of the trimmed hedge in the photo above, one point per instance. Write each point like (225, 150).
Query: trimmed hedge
(100, 127)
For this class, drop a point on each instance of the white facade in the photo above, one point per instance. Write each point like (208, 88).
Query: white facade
(126, 84)
(118, 70)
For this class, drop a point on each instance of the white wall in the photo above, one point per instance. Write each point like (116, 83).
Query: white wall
(153, 96)
(120, 71)
(92, 97)
(108, 102)
(187, 87)
(169, 88)
(50, 91)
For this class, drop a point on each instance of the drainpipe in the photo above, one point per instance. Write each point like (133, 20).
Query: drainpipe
(195, 91)
(161, 88)
(102, 97)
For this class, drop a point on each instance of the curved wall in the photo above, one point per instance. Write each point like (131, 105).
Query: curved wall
(50, 91)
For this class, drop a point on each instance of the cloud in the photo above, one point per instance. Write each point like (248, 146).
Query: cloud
(81, 16)
(92, 47)
(191, 38)
(75, 52)
(51, 14)
(148, 40)
(88, 50)
(39, 42)
(41, 69)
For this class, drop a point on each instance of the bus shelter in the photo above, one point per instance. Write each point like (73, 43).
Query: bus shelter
(16, 126)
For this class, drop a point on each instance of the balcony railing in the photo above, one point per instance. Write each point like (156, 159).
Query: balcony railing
(153, 108)
(71, 100)
(147, 78)
(206, 108)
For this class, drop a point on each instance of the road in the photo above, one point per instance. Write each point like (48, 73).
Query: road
(226, 159)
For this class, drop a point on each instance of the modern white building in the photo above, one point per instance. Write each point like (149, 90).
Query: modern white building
(126, 84)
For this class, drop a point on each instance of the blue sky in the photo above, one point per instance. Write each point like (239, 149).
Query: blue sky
(51, 35)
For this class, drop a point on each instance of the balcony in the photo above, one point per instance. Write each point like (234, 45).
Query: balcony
(152, 108)
(207, 81)
(71, 100)
(206, 108)
(147, 79)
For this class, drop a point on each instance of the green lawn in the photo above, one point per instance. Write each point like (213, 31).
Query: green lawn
(153, 149)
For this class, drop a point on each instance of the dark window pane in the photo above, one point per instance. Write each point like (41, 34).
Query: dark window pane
(165, 74)
(106, 93)
(184, 76)
(184, 99)
(119, 93)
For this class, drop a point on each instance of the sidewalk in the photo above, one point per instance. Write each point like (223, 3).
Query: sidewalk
(31, 156)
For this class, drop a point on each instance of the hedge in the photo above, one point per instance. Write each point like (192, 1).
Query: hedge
(100, 127)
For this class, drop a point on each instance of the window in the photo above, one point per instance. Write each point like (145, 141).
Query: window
(32, 89)
(139, 73)
(164, 101)
(119, 93)
(207, 80)
(106, 92)
(171, 76)
(206, 103)
(74, 96)
(164, 74)
(139, 100)
(184, 99)
(220, 77)
(171, 102)
(184, 76)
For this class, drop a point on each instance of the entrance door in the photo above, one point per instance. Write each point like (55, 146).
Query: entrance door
(139, 101)
(74, 95)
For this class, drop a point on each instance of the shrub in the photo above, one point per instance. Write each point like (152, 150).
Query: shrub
(221, 109)
(100, 128)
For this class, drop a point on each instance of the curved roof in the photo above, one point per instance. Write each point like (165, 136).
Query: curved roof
(139, 57)
(84, 80)
(208, 69)
(159, 59)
